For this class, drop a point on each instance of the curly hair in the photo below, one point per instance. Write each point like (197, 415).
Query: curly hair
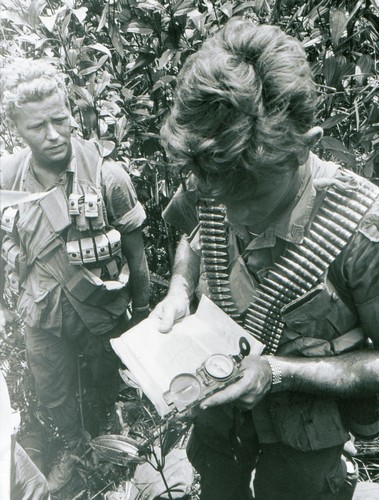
(28, 80)
(241, 107)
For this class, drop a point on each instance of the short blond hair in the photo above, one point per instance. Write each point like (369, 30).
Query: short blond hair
(28, 80)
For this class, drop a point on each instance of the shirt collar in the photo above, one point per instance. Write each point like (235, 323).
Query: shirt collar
(30, 182)
(290, 225)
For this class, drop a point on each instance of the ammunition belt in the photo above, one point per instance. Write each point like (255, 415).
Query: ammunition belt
(298, 270)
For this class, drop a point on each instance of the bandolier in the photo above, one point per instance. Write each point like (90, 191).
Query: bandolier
(300, 269)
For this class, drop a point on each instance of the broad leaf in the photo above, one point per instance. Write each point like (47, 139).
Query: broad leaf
(333, 120)
(95, 67)
(363, 68)
(139, 28)
(339, 150)
(49, 22)
(338, 21)
(101, 48)
(80, 13)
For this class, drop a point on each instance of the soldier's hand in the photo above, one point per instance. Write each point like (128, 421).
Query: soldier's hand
(172, 308)
(247, 391)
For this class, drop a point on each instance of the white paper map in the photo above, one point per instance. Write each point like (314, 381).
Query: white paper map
(155, 358)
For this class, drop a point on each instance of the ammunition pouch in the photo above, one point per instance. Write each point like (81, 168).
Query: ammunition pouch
(9, 220)
(102, 249)
(94, 291)
(14, 268)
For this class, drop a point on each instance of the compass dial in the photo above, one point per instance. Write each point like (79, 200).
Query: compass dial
(185, 388)
(219, 366)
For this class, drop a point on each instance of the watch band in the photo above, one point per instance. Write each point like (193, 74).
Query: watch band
(276, 373)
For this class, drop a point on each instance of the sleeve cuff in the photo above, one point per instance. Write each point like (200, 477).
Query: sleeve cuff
(131, 220)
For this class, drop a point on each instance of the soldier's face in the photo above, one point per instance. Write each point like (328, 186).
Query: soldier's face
(271, 197)
(45, 126)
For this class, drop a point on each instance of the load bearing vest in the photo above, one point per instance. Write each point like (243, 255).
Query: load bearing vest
(81, 217)
(90, 239)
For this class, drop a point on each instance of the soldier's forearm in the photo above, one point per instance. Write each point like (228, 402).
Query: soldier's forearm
(140, 282)
(351, 374)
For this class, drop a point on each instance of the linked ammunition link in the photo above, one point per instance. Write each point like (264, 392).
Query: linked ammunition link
(215, 258)
(298, 270)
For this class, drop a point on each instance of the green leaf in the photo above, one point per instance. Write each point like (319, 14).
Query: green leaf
(259, 4)
(141, 61)
(339, 150)
(363, 68)
(72, 57)
(34, 11)
(49, 21)
(104, 17)
(108, 147)
(349, 160)
(64, 31)
(182, 7)
(334, 144)
(102, 83)
(337, 22)
(80, 13)
(243, 6)
(227, 9)
(141, 112)
(163, 81)
(368, 169)
(334, 70)
(12, 16)
(198, 20)
(89, 118)
(120, 129)
(117, 41)
(152, 5)
(333, 120)
(141, 29)
(83, 94)
(165, 58)
(95, 67)
(100, 47)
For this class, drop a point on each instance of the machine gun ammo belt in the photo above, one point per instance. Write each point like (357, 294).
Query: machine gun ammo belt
(299, 269)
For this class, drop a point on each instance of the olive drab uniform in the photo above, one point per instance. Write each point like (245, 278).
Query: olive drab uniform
(63, 264)
(68, 236)
(287, 287)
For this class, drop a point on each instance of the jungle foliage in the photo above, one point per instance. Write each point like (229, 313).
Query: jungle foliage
(122, 58)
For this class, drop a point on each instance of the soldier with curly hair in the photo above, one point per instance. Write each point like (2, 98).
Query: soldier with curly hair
(288, 246)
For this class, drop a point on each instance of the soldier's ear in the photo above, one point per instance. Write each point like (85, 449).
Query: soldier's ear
(311, 138)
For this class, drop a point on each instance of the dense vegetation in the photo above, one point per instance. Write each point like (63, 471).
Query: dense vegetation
(122, 57)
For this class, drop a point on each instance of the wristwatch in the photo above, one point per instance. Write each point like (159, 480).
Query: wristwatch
(276, 373)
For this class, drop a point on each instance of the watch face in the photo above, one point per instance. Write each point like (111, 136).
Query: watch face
(219, 366)
(185, 388)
